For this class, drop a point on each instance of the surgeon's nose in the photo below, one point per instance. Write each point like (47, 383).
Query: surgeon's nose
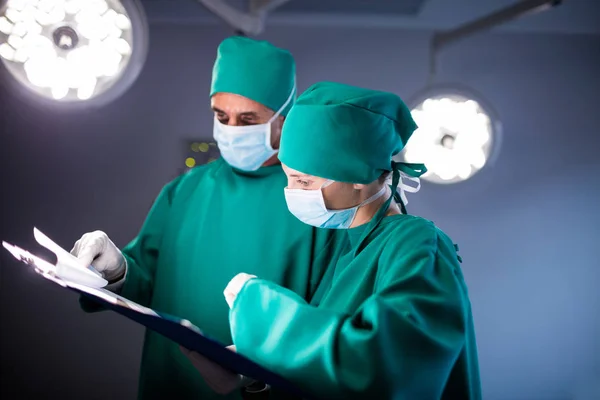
(234, 120)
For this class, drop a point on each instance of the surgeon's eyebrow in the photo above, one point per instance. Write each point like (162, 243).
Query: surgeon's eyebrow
(242, 114)
(298, 176)
(248, 114)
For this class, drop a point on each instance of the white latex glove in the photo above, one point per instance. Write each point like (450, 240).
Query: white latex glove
(219, 379)
(234, 286)
(97, 250)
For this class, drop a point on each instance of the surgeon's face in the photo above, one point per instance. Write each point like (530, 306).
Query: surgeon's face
(235, 110)
(337, 196)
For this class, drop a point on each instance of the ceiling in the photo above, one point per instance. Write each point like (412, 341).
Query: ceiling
(571, 17)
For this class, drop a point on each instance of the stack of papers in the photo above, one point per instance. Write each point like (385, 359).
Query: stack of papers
(69, 273)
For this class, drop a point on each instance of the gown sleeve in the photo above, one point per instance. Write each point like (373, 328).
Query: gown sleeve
(401, 342)
(141, 254)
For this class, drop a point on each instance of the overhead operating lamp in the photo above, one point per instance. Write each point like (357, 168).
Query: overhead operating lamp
(458, 134)
(73, 51)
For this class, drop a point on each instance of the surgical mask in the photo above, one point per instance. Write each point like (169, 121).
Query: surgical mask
(309, 207)
(247, 147)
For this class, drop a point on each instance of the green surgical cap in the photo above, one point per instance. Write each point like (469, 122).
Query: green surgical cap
(345, 133)
(255, 69)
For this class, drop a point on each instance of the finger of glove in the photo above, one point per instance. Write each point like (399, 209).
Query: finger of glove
(239, 281)
(229, 298)
(78, 246)
(107, 261)
(234, 286)
(91, 249)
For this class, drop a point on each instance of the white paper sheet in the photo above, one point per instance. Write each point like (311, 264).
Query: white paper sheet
(69, 272)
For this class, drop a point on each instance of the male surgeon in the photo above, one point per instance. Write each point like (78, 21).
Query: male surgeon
(218, 220)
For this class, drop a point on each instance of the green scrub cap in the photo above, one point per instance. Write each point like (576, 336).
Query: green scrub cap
(346, 133)
(257, 70)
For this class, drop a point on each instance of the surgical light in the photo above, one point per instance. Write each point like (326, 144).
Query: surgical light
(73, 50)
(456, 138)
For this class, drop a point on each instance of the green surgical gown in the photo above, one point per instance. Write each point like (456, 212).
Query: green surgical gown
(204, 228)
(394, 321)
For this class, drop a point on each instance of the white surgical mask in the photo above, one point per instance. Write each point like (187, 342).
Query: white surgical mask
(309, 207)
(247, 147)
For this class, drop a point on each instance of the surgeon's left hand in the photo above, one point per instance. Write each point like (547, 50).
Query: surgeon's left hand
(221, 380)
(234, 286)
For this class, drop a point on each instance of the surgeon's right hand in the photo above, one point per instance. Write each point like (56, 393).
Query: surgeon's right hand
(97, 250)
(219, 379)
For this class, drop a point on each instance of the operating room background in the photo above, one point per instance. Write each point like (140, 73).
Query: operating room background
(527, 226)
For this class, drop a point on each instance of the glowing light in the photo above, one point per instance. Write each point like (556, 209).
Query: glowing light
(13, 15)
(190, 162)
(15, 41)
(203, 147)
(72, 6)
(21, 55)
(18, 5)
(123, 22)
(6, 26)
(59, 92)
(7, 52)
(453, 140)
(53, 46)
(99, 6)
(46, 5)
(22, 28)
(86, 90)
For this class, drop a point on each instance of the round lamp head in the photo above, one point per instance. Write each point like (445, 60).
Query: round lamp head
(73, 51)
(458, 134)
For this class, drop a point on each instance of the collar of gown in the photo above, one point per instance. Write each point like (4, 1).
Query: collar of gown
(262, 171)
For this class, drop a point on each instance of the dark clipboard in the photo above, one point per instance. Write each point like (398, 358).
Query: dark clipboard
(179, 331)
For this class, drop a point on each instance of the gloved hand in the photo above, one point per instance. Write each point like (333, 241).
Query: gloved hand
(219, 379)
(234, 286)
(97, 250)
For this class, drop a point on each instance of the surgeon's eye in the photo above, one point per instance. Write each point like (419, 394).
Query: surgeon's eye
(248, 121)
(303, 183)
(223, 118)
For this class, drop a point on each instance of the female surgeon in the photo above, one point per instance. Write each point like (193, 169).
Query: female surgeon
(393, 320)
